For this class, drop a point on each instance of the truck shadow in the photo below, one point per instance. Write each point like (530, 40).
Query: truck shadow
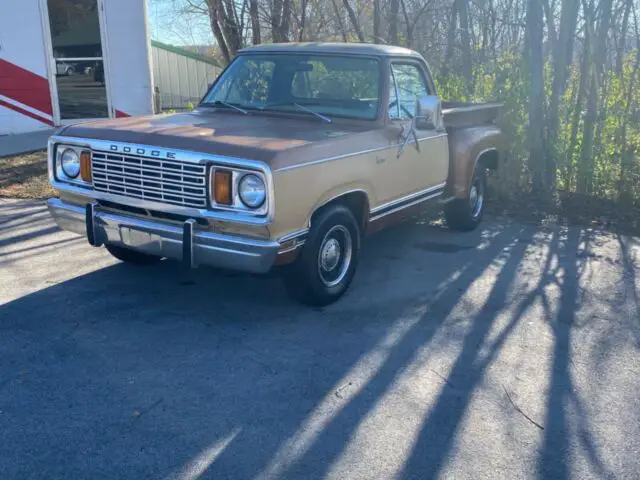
(219, 374)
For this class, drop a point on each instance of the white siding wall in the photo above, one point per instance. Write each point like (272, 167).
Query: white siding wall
(25, 98)
(127, 48)
(26, 102)
(180, 79)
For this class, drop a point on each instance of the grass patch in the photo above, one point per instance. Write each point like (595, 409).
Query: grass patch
(25, 176)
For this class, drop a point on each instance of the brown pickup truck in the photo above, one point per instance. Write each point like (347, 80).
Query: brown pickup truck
(295, 153)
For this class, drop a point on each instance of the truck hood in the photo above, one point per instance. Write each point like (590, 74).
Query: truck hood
(254, 136)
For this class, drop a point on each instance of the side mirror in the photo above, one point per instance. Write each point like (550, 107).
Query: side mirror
(428, 113)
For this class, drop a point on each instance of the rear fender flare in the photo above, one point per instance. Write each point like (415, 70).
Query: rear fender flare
(469, 147)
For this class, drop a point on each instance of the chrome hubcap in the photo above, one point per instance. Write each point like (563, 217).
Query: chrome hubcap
(334, 257)
(476, 198)
(473, 196)
(330, 255)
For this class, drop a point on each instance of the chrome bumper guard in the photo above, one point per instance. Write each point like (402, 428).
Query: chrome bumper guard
(187, 243)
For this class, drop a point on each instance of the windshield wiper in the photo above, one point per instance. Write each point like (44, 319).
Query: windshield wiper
(228, 105)
(299, 107)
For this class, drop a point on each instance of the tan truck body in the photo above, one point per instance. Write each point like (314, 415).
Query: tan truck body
(306, 164)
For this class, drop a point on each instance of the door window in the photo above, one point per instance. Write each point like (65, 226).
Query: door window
(407, 85)
(77, 51)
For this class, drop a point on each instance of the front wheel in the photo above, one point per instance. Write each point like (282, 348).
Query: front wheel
(325, 267)
(465, 214)
(131, 256)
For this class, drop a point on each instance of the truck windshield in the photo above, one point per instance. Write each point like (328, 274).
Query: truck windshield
(332, 86)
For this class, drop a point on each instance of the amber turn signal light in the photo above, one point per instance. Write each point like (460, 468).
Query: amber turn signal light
(85, 165)
(222, 187)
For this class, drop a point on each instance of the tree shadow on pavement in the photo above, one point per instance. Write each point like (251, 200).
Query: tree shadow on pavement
(629, 262)
(438, 433)
(300, 459)
(556, 454)
(149, 375)
(203, 373)
(40, 232)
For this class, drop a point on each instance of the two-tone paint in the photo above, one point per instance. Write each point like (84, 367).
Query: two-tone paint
(308, 164)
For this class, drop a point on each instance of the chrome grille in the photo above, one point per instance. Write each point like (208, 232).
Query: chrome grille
(150, 178)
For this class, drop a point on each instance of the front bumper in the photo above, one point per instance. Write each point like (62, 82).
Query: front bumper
(185, 242)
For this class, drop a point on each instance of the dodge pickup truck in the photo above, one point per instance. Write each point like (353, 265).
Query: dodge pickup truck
(294, 154)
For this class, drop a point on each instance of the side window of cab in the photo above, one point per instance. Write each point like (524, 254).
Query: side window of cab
(407, 85)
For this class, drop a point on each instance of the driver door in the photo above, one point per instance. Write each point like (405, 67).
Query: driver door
(424, 161)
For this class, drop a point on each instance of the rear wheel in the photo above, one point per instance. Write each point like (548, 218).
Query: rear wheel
(465, 214)
(325, 267)
(131, 256)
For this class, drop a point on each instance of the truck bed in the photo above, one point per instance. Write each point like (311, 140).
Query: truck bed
(465, 114)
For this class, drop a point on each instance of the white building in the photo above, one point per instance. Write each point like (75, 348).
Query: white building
(67, 60)
(181, 77)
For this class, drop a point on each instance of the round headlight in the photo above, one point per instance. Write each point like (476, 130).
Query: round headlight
(252, 191)
(70, 163)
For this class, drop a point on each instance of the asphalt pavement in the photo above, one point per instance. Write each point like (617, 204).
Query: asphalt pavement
(509, 352)
(22, 143)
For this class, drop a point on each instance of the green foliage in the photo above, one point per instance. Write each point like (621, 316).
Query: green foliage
(616, 155)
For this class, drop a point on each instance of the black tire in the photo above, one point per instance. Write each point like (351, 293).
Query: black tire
(131, 256)
(465, 214)
(336, 234)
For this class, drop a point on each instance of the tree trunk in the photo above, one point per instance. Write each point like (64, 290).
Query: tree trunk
(451, 38)
(231, 26)
(562, 55)
(623, 37)
(411, 23)
(280, 20)
(341, 26)
(582, 87)
(551, 28)
(494, 21)
(303, 19)
(586, 162)
(484, 25)
(354, 20)
(603, 33)
(588, 71)
(255, 22)
(285, 21)
(465, 47)
(596, 76)
(394, 8)
(376, 22)
(276, 12)
(626, 153)
(537, 161)
(214, 19)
